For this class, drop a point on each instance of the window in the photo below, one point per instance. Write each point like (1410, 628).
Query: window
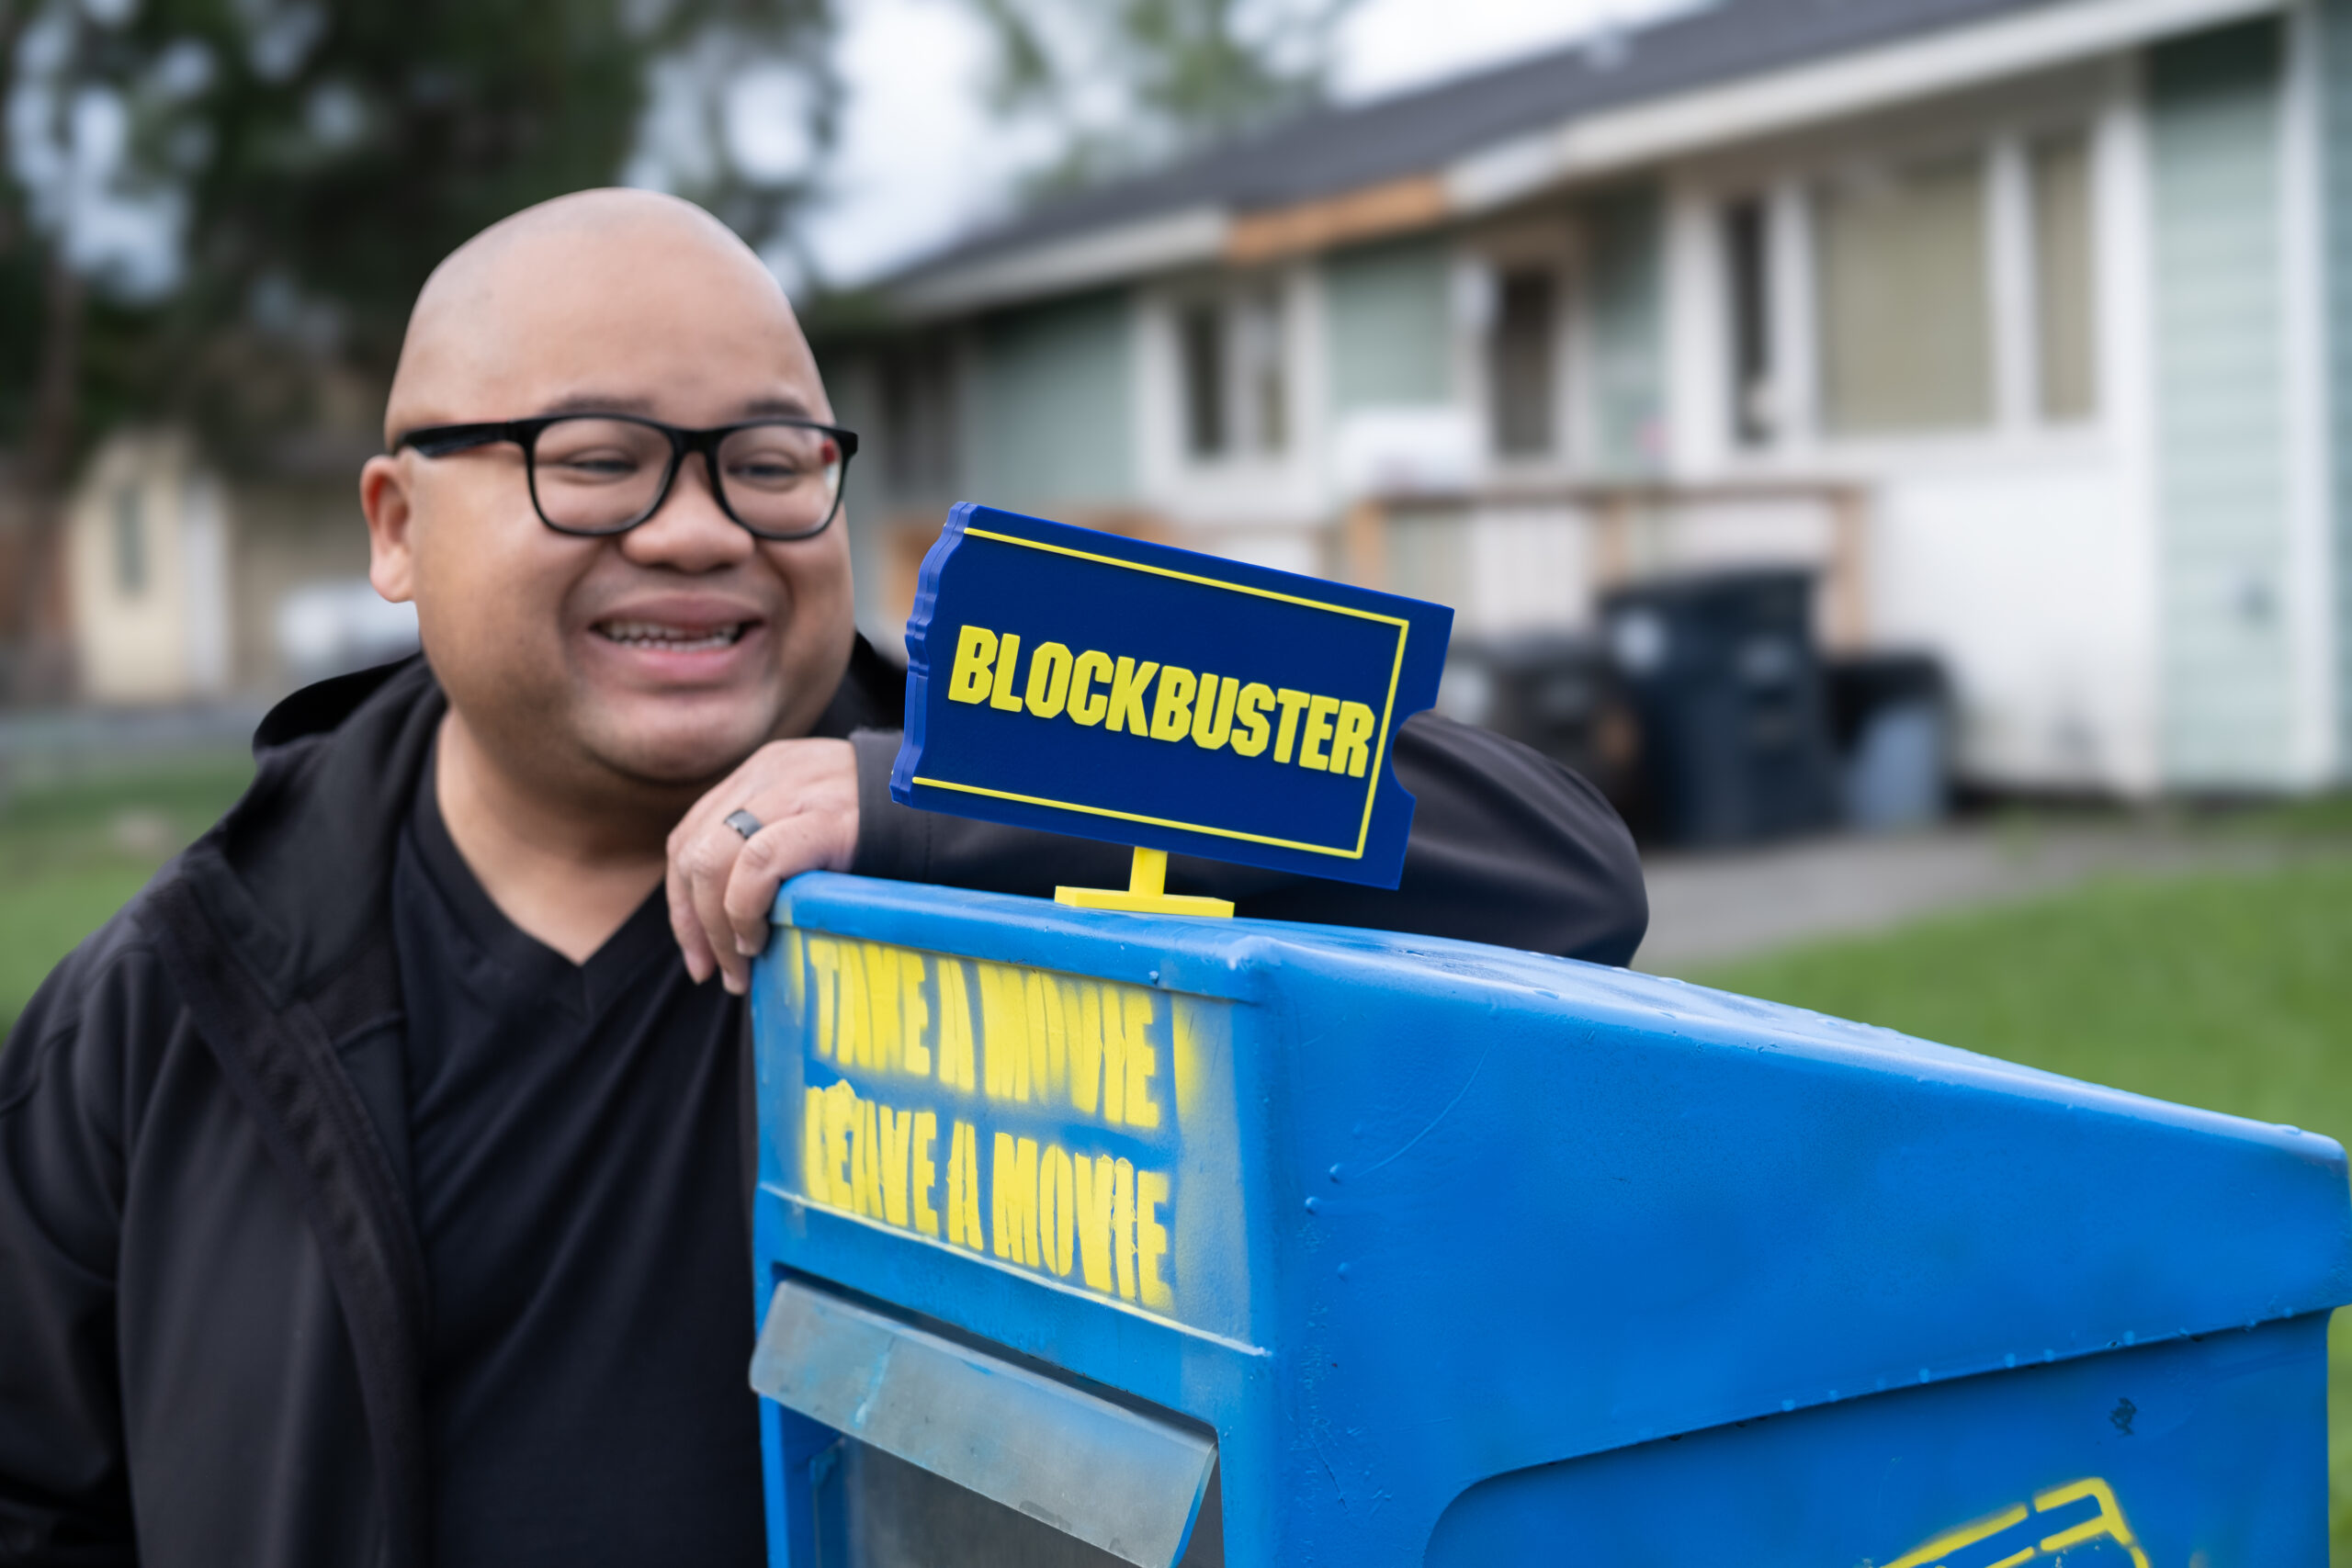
(2066, 371)
(1749, 287)
(919, 419)
(1236, 391)
(1201, 330)
(130, 543)
(1263, 393)
(1521, 362)
(1905, 306)
(1905, 295)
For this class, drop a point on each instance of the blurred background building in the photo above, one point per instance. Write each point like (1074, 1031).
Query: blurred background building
(2012, 322)
(2016, 325)
(181, 586)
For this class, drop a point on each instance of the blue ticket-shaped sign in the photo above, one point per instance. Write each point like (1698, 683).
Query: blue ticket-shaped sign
(1082, 682)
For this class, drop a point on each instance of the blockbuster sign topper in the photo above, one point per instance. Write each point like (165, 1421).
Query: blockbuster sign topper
(1081, 683)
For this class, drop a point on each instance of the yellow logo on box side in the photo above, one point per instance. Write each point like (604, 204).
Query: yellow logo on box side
(2104, 1522)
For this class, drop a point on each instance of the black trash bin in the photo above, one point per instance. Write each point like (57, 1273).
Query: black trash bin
(1556, 693)
(1734, 725)
(1891, 716)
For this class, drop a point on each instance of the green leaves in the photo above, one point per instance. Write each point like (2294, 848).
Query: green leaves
(303, 166)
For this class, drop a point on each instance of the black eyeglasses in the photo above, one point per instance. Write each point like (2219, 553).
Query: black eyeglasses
(604, 473)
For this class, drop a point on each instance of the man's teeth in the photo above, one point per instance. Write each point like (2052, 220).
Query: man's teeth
(674, 639)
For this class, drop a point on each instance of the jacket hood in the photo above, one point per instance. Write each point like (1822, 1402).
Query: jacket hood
(295, 877)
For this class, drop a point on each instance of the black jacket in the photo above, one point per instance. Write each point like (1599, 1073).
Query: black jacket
(212, 1298)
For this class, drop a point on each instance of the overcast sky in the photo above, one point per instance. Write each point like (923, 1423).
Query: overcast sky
(919, 161)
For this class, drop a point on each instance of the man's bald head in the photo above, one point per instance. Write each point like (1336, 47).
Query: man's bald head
(506, 308)
(636, 664)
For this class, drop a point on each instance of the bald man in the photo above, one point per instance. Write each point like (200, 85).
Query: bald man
(373, 1187)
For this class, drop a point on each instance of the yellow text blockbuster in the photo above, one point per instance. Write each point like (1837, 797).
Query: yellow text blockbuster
(1165, 702)
(1080, 1051)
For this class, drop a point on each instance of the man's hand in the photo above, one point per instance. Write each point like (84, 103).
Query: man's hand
(722, 885)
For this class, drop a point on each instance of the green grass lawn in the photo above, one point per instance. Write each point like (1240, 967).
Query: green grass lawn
(73, 849)
(2232, 992)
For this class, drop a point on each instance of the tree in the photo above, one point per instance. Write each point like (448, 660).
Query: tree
(1128, 83)
(219, 211)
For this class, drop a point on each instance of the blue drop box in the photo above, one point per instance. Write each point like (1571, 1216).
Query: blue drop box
(1088, 1238)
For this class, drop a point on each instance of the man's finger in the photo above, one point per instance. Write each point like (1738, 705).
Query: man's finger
(718, 902)
(706, 862)
(692, 946)
(776, 851)
(694, 943)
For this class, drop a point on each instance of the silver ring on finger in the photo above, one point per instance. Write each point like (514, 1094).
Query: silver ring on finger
(743, 821)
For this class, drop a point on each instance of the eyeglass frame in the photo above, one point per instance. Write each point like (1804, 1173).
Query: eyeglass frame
(448, 440)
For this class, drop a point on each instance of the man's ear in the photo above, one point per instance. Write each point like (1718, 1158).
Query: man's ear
(384, 496)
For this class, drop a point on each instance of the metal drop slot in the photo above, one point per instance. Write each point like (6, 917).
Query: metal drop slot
(1122, 1485)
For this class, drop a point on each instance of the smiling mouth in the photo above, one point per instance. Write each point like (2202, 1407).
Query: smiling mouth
(664, 637)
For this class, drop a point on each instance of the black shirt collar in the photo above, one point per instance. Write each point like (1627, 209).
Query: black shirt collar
(501, 953)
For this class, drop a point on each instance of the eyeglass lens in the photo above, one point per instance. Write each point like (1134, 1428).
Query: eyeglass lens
(596, 475)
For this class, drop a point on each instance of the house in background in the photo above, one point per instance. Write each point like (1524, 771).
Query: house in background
(181, 586)
(2024, 322)
(147, 574)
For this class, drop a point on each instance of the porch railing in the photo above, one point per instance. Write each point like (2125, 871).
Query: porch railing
(1638, 529)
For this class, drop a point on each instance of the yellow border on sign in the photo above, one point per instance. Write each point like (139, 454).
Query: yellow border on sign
(1380, 752)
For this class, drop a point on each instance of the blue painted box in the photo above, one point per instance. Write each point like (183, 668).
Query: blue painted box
(1268, 1243)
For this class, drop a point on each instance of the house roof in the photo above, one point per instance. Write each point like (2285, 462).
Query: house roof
(1330, 151)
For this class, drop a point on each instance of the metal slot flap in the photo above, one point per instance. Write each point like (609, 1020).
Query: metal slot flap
(1119, 1481)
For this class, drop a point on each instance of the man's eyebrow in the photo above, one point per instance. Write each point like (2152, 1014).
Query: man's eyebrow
(598, 402)
(785, 407)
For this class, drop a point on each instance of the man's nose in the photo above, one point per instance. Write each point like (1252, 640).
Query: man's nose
(688, 532)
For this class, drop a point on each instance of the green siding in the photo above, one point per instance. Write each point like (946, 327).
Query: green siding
(1052, 405)
(2335, 35)
(1386, 309)
(1628, 331)
(849, 383)
(2220, 407)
